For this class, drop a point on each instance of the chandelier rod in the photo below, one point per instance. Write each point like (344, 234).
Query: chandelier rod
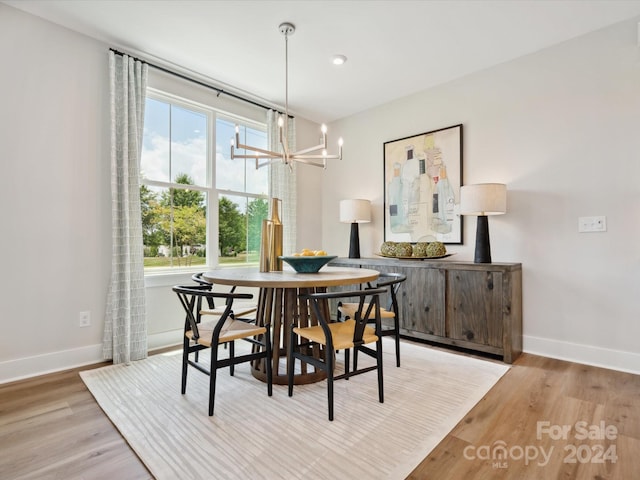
(286, 73)
(286, 29)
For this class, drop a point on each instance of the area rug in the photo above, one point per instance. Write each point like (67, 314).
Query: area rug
(253, 436)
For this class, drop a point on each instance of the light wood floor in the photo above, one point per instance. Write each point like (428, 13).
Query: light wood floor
(51, 428)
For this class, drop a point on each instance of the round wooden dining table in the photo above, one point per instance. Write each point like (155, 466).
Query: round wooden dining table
(280, 306)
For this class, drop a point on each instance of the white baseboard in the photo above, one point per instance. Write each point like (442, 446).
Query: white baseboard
(587, 354)
(165, 339)
(20, 368)
(27, 367)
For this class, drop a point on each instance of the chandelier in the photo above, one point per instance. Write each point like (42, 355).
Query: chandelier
(316, 156)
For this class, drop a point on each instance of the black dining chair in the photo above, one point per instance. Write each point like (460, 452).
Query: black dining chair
(352, 334)
(224, 329)
(241, 310)
(392, 282)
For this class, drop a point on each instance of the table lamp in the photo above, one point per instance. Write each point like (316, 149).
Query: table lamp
(482, 200)
(355, 212)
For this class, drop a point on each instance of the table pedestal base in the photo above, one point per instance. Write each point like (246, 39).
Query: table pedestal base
(282, 308)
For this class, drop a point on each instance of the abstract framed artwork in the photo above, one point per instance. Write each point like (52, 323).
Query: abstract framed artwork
(422, 179)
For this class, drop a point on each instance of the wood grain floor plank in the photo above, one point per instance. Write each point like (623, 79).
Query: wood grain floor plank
(52, 428)
(535, 390)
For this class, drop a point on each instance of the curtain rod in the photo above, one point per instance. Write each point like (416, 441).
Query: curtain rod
(198, 82)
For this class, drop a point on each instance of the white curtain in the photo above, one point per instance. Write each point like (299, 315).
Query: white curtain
(283, 180)
(125, 329)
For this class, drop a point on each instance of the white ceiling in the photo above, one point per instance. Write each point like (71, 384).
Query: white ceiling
(394, 48)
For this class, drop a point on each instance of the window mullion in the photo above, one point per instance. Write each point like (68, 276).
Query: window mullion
(212, 197)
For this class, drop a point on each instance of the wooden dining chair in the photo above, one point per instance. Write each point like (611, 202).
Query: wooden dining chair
(241, 310)
(199, 335)
(392, 282)
(353, 333)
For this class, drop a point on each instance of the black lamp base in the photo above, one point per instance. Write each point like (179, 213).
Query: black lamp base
(483, 248)
(354, 242)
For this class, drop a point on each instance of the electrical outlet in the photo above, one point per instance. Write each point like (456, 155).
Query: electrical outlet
(84, 319)
(592, 224)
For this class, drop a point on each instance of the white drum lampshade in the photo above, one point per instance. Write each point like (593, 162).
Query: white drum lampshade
(481, 200)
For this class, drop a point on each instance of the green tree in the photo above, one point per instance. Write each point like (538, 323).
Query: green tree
(185, 211)
(183, 197)
(257, 210)
(189, 225)
(232, 228)
(152, 235)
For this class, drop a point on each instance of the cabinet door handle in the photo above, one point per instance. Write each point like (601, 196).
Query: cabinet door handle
(489, 281)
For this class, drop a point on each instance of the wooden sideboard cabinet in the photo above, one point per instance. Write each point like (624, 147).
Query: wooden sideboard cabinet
(469, 305)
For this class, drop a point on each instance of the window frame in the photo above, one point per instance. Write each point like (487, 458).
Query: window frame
(212, 193)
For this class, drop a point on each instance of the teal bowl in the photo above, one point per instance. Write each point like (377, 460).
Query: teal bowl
(309, 264)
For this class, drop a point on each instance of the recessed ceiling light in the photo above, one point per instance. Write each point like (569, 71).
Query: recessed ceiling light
(338, 59)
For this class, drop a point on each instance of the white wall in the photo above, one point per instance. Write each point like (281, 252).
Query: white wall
(561, 129)
(56, 228)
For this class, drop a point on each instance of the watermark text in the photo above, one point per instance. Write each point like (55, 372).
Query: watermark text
(499, 453)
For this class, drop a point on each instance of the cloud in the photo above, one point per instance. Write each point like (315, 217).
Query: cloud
(189, 156)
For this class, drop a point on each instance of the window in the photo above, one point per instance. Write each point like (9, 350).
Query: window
(184, 180)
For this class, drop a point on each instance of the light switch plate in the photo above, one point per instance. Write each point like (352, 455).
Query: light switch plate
(592, 224)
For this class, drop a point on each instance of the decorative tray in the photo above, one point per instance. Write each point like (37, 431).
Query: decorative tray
(416, 258)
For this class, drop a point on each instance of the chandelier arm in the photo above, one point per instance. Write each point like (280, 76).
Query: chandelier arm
(266, 153)
(258, 157)
(309, 162)
(310, 149)
(265, 164)
(315, 157)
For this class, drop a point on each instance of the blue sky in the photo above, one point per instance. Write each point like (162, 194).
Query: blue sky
(187, 151)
